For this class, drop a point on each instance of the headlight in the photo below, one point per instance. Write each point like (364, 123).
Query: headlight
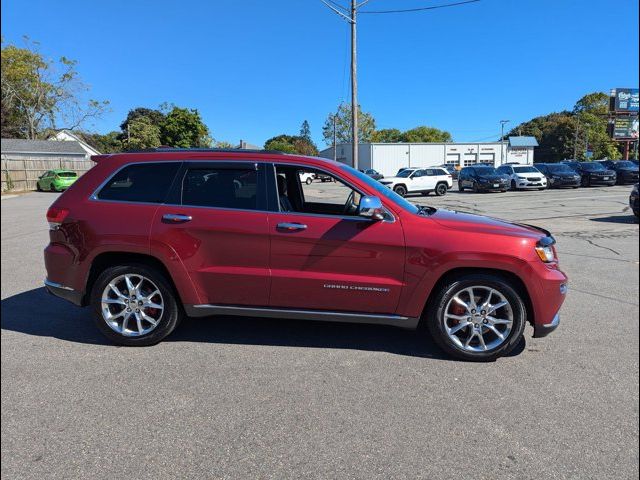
(546, 253)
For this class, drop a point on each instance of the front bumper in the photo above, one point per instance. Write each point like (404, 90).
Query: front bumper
(599, 180)
(542, 330)
(522, 184)
(63, 292)
(491, 186)
(557, 183)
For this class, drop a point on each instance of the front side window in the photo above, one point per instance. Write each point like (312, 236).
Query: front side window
(145, 182)
(221, 188)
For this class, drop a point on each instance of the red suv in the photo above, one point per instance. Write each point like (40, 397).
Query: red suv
(145, 238)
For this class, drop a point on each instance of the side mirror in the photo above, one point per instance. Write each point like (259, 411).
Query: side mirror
(371, 207)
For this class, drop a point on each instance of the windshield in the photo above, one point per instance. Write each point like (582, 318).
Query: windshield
(592, 166)
(487, 171)
(625, 164)
(525, 170)
(405, 173)
(382, 190)
(560, 169)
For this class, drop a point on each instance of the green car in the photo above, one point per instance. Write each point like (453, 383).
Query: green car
(56, 180)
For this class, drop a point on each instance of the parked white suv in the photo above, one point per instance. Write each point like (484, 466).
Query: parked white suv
(420, 180)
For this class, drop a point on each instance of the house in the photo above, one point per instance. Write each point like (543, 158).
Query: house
(69, 136)
(19, 149)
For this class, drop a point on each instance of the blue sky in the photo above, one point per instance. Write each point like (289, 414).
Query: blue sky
(255, 69)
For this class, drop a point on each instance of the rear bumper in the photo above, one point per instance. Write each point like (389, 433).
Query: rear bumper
(64, 292)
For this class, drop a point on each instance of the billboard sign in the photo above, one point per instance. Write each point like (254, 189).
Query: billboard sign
(625, 127)
(625, 100)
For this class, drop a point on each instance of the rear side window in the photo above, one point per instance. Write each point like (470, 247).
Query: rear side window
(221, 188)
(149, 182)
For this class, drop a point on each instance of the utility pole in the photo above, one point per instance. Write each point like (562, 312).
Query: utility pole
(502, 124)
(335, 139)
(354, 87)
(575, 142)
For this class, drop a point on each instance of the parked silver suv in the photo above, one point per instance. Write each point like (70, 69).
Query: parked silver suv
(524, 177)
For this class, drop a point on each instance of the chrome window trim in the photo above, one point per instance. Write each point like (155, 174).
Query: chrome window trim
(326, 215)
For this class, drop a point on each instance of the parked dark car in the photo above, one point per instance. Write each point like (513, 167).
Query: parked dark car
(593, 173)
(402, 170)
(482, 179)
(633, 201)
(453, 171)
(635, 162)
(373, 173)
(559, 175)
(627, 171)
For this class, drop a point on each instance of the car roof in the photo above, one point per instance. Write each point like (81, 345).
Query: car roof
(209, 155)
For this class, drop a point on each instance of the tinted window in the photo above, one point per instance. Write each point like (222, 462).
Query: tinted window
(525, 170)
(67, 174)
(559, 168)
(624, 164)
(220, 187)
(486, 171)
(405, 173)
(592, 166)
(141, 183)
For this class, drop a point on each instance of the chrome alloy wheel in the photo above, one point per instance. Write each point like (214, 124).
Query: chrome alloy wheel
(132, 305)
(478, 319)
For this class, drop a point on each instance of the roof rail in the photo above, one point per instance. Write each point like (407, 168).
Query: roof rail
(213, 150)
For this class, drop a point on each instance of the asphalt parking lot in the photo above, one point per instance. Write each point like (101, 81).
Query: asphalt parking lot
(243, 398)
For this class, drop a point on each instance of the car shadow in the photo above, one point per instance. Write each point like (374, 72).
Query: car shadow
(622, 218)
(38, 313)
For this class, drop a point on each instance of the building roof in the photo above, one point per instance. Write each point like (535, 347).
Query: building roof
(523, 142)
(16, 145)
(68, 135)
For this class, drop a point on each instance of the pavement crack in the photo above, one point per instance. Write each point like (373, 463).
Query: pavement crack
(591, 242)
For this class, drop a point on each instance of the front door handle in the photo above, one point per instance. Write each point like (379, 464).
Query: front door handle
(176, 218)
(291, 227)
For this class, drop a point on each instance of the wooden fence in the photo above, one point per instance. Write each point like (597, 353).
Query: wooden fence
(22, 174)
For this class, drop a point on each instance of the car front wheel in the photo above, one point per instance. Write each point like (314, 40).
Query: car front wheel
(134, 305)
(477, 317)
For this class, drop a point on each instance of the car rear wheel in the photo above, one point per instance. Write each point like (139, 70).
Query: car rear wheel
(514, 186)
(134, 305)
(52, 188)
(309, 181)
(400, 190)
(441, 189)
(38, 187)
(585, 181)
(475, 187)
(460, 187)
(477, 317)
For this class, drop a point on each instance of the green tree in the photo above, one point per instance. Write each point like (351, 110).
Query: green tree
(366, 125)
(156, 117)
(40, 95)
(555, 135)
(305, 132)
(291, 144)
(107, 143)
(386, 135)
(143, 134)
(591, 113)
(425, 134)
(184, 128)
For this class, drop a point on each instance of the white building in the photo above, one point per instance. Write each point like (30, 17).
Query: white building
(388, 158)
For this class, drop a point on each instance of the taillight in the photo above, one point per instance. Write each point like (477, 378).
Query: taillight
(55, 216)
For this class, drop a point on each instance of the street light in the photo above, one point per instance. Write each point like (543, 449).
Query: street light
(502, 124)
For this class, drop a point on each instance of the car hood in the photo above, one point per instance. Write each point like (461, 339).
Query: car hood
(481, 224)
(493, 178)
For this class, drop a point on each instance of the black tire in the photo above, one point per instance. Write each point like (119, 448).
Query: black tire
(309, 181)
(542, 189)
(168, 321)
(400, 190)
(38, 187)
(460, 187)
(514, 186)
(585, 182)
(436, 310)
(441, 189)
(425, 194)
(475, 188)
(52, 188)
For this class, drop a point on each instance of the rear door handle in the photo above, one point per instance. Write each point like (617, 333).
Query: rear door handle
(291, 227)
(176, 218)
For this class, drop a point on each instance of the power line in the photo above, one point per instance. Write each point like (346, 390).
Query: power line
(419, 9)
